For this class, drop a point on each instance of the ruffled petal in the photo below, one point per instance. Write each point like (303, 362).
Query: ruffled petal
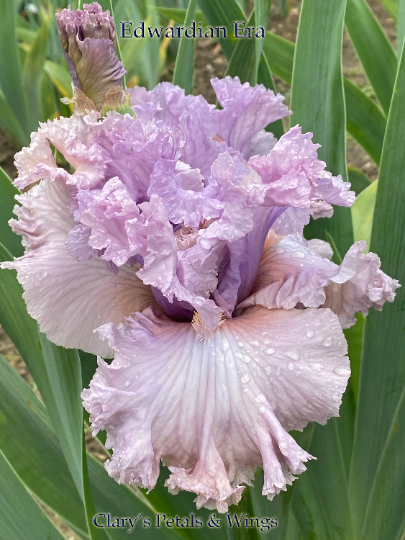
(215, 410)
(293, 272)
(74, 139)
(167, 105)
(68, 298)
(105, 212)
(183, 206)
(246, 110)
(359, 285)
(153, 239)
(321, 247)
(298, 178)
(131, 149)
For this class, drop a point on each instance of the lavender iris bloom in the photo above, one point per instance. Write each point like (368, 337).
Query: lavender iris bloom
(176, 246)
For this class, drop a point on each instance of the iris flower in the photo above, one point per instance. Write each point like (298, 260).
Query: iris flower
(175, 245)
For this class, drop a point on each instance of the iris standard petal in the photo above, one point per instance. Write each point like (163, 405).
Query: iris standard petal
(245, 112)
(293, 168)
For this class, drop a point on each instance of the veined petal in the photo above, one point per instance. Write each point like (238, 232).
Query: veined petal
(359, 285)
(214, 410)
(298, 178)
(154, 240)
(105, 212)
(132, 149)
(290, 273)
(74, 139)
(68, 298)
(291, 220)
(246, 110)
(293, 272)
(88, 39)
(183, 206)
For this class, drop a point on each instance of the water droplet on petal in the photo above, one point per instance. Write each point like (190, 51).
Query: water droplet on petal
(293, 355)
(280, 250)
(127, 383)
(291, 366)
(299, 254)
(316, 367)
(246, 358)
(327, 342)
(241, 344)
(245, 377)
(310, 333)
(267, 370)
(336, 396)
(270, 350)
(341, 371)
(260, 398)
(262, 409)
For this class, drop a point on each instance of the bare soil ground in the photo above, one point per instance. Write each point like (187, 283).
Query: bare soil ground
(210, 62)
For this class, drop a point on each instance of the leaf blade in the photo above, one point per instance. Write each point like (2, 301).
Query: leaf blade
(184, 68)
(382, 378)
(20, 516)
(373, 48)
(317, 101)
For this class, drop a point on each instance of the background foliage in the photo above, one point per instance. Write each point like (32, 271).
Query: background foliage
(355, 489)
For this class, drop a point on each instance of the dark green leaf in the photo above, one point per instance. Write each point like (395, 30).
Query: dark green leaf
(358, 180)
(20, 515)
(373, 48)
(231, 13)
(317, 101)
(63, 370)
(365, 121)
(401, 26)
(179, 15)
(7, 201)
(224, 13)
(354, 337)
(10, 70)
(27, 440)
(10, 123)
(184, 69)
(378, 509)
(31, 76)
